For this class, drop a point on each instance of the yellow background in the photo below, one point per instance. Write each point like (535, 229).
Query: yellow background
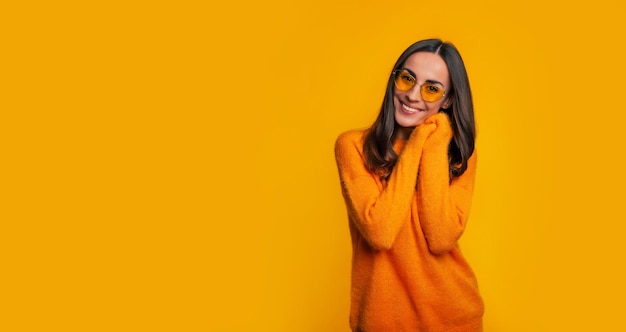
(168, 166)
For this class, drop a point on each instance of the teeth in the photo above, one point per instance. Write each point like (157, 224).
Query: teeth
(412, 110)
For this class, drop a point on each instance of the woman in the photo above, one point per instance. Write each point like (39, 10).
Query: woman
(407, 182)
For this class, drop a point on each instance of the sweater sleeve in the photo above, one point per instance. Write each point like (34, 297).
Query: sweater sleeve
(443, 205)
(379, 212)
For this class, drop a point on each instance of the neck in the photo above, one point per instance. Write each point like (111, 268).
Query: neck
(404, 132)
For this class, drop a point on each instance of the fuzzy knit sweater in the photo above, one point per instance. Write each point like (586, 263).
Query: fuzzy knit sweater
(408, 273)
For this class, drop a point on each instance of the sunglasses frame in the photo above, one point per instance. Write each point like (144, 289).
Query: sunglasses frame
(395, 72)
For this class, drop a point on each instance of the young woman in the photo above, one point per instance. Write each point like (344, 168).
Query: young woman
(407, 182)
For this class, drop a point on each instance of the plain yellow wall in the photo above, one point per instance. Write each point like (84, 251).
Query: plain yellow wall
(168, 166)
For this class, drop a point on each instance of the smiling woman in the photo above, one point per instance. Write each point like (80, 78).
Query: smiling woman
(407, 183)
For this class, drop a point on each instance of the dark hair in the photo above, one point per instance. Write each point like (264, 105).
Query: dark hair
(378, 144)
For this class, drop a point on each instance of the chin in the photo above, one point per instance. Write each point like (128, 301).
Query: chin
(408, 123)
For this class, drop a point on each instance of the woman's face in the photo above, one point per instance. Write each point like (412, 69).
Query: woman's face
(410, 108)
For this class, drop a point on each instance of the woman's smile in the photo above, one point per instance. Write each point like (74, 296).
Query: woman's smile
(409, 110)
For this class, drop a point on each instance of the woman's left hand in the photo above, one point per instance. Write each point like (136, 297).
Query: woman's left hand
(441, 136)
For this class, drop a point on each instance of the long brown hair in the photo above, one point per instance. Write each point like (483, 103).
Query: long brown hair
(378, 145)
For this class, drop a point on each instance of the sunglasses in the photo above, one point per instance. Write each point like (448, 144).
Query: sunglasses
(429, 91)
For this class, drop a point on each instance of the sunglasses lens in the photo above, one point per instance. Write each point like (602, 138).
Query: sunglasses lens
(404, 81)
(431, 92)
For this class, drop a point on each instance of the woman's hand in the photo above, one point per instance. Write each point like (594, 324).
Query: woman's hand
(441, 135)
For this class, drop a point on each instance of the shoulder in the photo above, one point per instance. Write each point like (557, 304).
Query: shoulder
(349, 144)
(352, 135)
(472, 161)
(350, 138)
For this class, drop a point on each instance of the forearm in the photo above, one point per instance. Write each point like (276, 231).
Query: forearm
(379, 212)
(443, 206)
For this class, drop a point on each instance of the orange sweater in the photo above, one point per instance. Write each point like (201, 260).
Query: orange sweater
(408, 273)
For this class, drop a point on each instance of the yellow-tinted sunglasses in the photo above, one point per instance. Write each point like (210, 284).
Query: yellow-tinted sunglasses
(429, 91)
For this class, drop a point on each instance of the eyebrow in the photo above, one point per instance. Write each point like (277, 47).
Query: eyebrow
(427, 81)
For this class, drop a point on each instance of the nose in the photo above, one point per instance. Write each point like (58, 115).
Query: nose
(414, 93)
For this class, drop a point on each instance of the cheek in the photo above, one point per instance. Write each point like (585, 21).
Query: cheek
(396, 100)
(434, 107)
